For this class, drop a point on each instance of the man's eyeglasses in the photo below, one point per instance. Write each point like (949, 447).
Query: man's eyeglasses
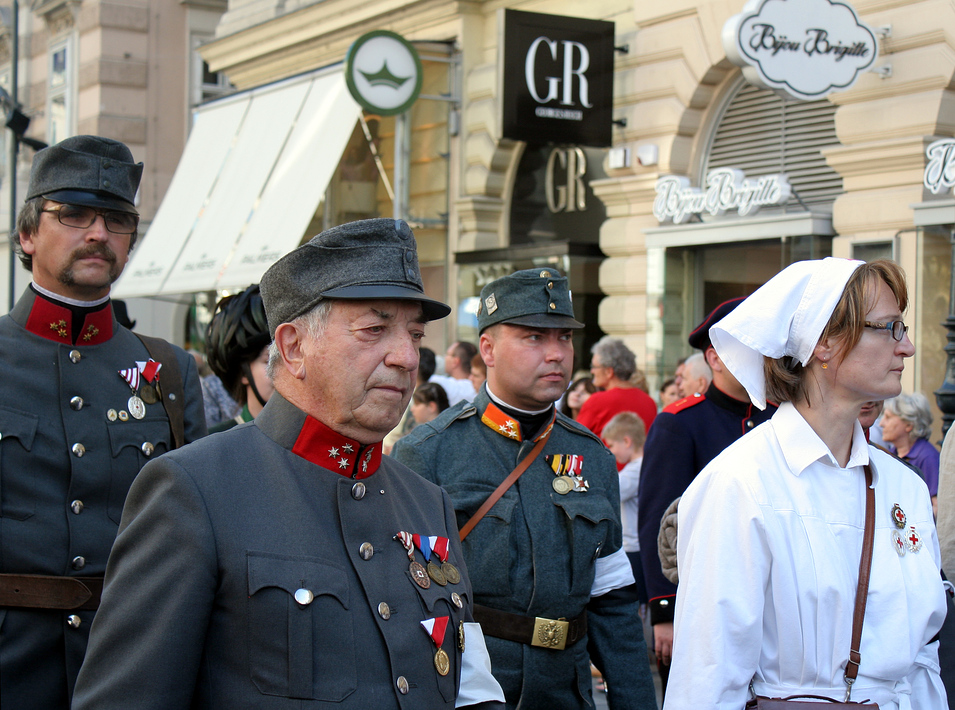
(896, 327)
(82, 217)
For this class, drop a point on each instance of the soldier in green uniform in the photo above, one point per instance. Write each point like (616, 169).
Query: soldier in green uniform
(553, 588)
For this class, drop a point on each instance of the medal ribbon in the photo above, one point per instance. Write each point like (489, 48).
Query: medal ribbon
(423, 543)
(435, 628)
(406, 540)
(131, 376)
(440, 547)
(149, 369)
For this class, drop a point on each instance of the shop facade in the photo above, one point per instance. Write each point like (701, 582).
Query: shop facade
(849, 166)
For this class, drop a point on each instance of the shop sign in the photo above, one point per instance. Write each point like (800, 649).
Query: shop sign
(557, 84)
(569, 194)
(726, 189)
(383, 72)
(940, 169)
(806, 49)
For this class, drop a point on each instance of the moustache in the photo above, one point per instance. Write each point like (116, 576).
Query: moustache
(100, 250)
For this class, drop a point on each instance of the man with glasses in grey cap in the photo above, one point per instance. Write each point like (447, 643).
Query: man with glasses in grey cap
(286, 560)
(74, 429)
(537, 499)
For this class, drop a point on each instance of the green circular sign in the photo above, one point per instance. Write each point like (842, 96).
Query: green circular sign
(383, 72)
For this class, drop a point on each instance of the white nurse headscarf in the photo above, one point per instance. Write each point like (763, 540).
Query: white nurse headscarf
(783, 318)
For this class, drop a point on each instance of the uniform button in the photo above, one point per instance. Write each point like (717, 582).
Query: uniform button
(77, 506)
(74, 621)
(78, 450)
(545, 274)
(552, 305)
(75, 356)
(366, 550)
(358, 491)
(303, 597)
(664, 602)
(76, 403)
(105, 183)
(550, 284)
(148, 448)
(79, 562)
(456, 598)
(749, 424)
(402, 684)
(384, 611)
(172, 396)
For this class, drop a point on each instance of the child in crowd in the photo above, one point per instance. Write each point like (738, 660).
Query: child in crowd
(625, 434)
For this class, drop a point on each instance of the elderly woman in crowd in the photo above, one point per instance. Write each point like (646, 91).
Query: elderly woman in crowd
(906, 426)
(771, 531)
(612, 366)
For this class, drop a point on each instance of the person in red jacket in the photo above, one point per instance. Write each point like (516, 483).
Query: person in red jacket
(612, 366)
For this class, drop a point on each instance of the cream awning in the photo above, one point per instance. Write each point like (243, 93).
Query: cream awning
(254, 170)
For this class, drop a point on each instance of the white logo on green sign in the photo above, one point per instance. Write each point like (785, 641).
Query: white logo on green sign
(383, 72)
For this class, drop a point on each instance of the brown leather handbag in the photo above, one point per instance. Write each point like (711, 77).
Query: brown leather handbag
(795, 702)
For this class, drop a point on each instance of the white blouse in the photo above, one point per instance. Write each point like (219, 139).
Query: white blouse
(768, 552)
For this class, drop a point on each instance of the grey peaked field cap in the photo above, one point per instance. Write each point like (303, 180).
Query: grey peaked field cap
(87, 170)
(538, 298)
(365, 260)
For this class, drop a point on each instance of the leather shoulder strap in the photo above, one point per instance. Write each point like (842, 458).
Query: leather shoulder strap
(505, 484)
(173, 400)
(862, 592)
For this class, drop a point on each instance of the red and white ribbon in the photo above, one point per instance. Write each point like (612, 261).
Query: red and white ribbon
(149, 369)
(131, 376)
(435, 628)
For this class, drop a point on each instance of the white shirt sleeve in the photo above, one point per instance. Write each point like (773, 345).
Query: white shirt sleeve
(477, 683)
(613, 572)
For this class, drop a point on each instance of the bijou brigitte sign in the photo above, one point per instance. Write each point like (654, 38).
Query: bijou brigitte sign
(806, 49)
(726, 189)
(940, 168)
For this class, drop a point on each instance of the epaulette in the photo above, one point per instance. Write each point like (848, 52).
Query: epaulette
(685, 403)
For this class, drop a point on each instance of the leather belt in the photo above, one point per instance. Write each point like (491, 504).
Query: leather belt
(36, 591)
(555, 634)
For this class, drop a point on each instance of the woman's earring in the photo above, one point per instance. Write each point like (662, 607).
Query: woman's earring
(825, 365)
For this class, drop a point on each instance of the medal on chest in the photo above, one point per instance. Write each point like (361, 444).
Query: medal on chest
(136, 406)
(418, 573)
(904, 538)
(435, 628)
(568, 473)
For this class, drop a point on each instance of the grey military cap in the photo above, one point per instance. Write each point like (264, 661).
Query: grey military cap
(365, 260)
(538, 298)
(87, 170)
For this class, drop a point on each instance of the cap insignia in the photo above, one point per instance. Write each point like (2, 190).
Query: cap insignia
(491, 304)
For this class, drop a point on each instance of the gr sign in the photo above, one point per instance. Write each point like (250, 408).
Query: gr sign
(557, 79)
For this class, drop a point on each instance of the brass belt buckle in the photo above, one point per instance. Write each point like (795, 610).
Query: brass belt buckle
(549, 633)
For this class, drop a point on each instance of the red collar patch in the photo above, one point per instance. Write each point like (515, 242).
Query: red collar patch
(329, 449)
(55, 322)
(499, 421)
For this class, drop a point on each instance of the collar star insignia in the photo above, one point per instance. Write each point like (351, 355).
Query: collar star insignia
(508, 429)
(333, 452)
(91, 332)
(343, 463)
(347, 448)
(59, 327)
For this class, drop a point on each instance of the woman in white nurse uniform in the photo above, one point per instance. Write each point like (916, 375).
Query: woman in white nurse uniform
(771, 530)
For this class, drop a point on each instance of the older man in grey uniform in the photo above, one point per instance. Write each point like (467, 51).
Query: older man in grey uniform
(285, 563)
(553, 582)
(82, 408)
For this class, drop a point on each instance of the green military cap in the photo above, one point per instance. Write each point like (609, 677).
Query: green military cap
(538, 298)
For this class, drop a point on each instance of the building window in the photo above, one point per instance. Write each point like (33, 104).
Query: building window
(59, 92)
(205, 85)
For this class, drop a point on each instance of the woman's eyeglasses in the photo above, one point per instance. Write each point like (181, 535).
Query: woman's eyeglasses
(896, 327)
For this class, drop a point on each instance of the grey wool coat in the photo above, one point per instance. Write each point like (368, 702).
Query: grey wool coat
(248, 573)
(65, 468)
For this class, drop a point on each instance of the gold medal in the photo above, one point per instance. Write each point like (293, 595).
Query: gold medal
(148, 393)
(442, 662)
(419, 576)
(136, 407)
(451, 573)
(436, 574)
(563, 484)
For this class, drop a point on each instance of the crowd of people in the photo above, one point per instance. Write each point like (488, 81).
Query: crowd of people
(370, 525)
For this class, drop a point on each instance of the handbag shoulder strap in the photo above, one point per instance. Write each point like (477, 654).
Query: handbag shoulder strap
(862, 592)
(505, 484)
